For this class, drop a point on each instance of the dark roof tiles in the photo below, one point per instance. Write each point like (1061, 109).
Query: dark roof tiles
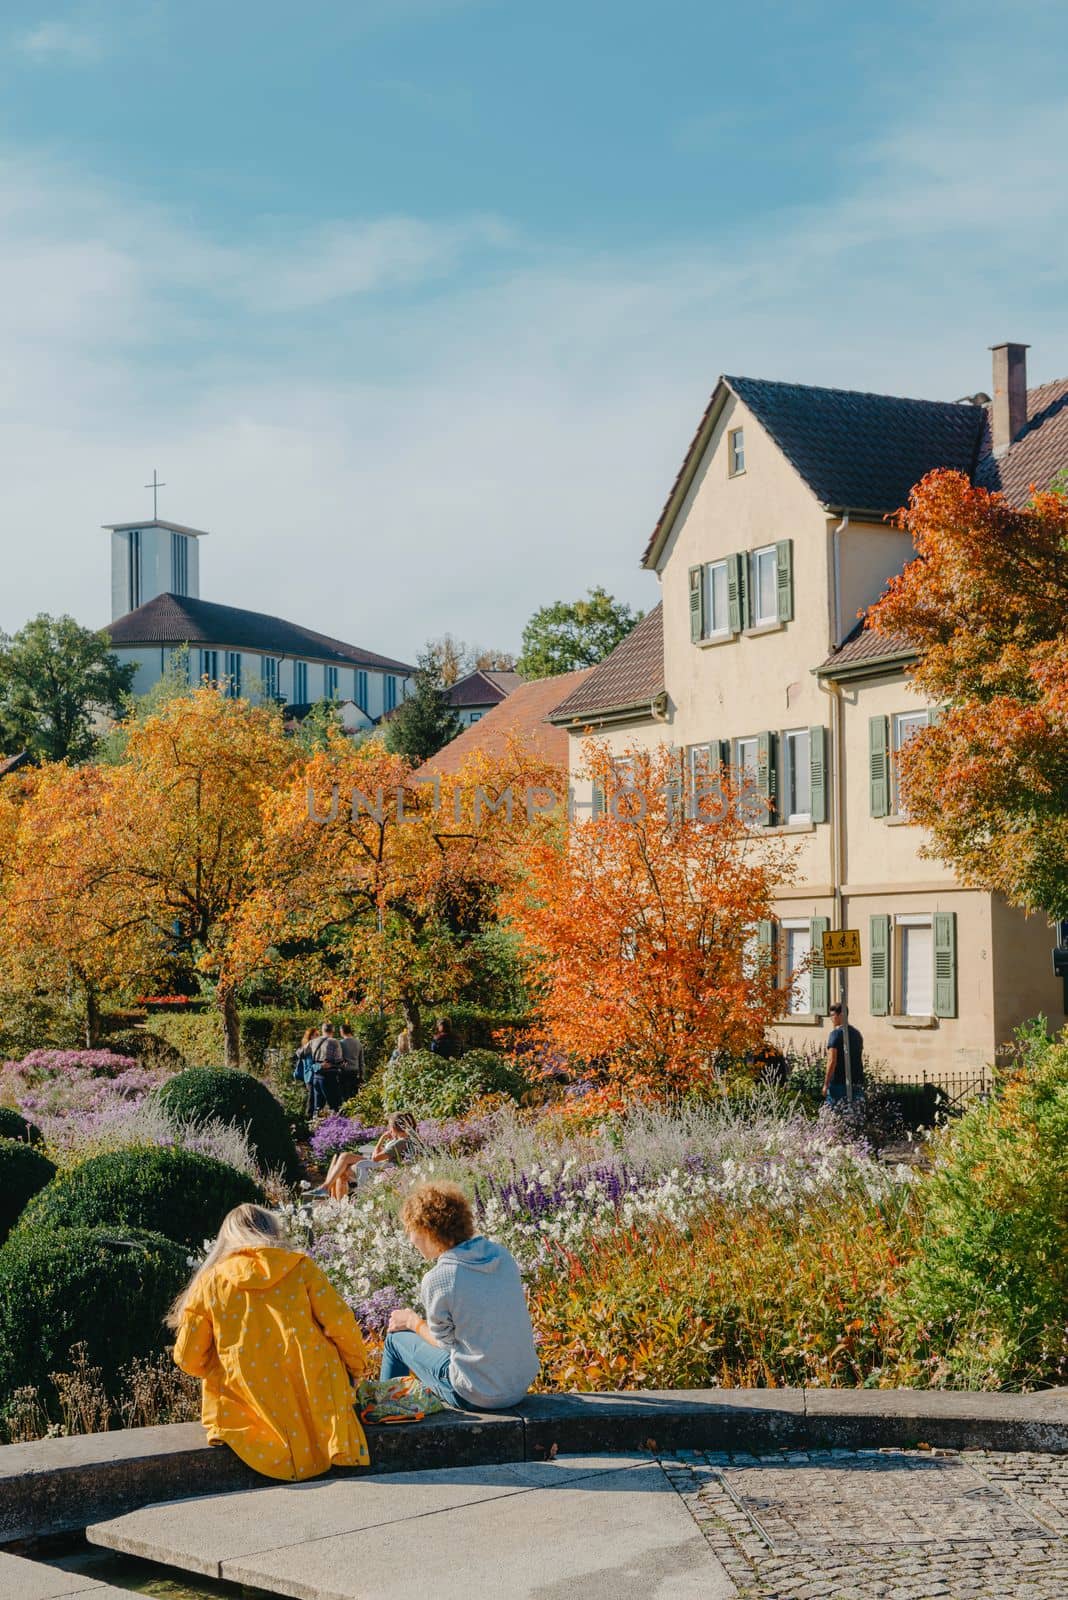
(1038, 453)
(632, 674)
(483, 687)
(172, 619)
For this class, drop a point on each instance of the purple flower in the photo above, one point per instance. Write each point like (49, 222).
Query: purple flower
(340, 1133)
(373, 1314)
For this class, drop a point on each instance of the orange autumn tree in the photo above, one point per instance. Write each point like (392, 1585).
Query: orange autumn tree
(375, 889)
(643, 932)
(66, 924)
(985, 605)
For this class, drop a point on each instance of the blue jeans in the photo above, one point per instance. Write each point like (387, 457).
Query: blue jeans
(836, 1094)
(406, 1353)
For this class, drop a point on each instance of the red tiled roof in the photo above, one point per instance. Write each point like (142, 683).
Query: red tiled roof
(1039, 451)
(864, 647)
(520, 719)
(631, 675)
(181, 619)
(12, 763)
(483, 687)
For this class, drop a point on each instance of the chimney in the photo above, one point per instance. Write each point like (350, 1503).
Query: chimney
(1008, 413)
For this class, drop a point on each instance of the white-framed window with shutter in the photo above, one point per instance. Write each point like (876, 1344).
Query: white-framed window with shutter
(763, 587)
(904, 725)
(715, 618)
(736, 451)
(796, 775)
(797, 956)
(915, 965)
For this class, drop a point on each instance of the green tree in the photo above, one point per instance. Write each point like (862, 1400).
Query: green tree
(54, 677)
(571, 634)
(425, 721)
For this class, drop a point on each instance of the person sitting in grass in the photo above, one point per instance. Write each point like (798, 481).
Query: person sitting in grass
(349, 1167)
(475, 1347)
(274, 1346)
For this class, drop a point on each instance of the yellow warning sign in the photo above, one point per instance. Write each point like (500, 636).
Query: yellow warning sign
(842, 948)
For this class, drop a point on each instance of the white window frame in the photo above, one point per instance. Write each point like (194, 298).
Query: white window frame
(761, 619)
(920, 719)
(902, 924)
(714, 628)
(788, 740)
(736, 755)
(803, 981)
(735, 452)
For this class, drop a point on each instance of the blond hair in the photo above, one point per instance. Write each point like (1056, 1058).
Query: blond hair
(441, 1210)
(246, 1227)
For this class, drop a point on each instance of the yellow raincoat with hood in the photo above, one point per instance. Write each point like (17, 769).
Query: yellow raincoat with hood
(274, 1344)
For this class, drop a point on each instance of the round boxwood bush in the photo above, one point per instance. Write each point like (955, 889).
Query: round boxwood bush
(107, 1287)
(23, 1173)
(432, 1086)
(13, 1125)
(178, 1193)
(205, 1094)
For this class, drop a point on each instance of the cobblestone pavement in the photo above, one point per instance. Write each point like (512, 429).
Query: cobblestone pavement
(882, 1524)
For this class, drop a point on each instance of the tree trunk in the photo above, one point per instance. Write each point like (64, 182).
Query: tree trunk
(92, 1018)
(412, 1019)
(231, 1028)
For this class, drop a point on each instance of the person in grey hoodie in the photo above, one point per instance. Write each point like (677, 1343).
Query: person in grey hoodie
(475, 1347)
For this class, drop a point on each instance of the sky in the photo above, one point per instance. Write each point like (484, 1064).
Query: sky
(415, 304)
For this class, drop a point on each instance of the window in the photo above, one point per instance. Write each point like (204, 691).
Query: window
(270, 678)
(763, 587)
(209, 665)
(797, 947)
(745, 759)
(179, 563)
(300, 682)
(233, 674)
(476, 716)
(915, 966)
(736, 451)
(391, 692)
(361, 690)
(797, 776)
(331, 683)
(134, 568)
(905, 724)
(716, 620)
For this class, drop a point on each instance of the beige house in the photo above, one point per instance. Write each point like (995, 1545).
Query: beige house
(771, 543)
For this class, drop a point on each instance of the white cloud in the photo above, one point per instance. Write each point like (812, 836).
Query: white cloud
(394, 426)
(61, 41)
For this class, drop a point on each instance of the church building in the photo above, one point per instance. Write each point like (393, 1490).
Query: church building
(157, 614)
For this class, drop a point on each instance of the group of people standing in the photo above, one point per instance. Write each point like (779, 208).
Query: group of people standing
(331, 1068)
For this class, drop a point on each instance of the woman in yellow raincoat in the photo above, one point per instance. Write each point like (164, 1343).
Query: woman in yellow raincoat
(274, 1345)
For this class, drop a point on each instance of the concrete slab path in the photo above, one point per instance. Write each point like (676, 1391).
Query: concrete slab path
(613, 1525)
(29, 1580)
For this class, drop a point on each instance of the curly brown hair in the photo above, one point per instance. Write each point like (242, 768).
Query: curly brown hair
(442, 1210)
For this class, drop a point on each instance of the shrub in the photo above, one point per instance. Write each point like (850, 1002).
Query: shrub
(990, 1282)
(149, 1048)
(203, 1094)
(15, 1126)
(197, 1036)
(96, 1063)
(23, 1173)
(103, 1287)
(179, 1193)
(28, 1021)
(431, 1086)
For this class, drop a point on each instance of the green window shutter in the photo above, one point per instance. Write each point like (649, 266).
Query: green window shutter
(736, 596)
(597, 807)
(766, 941)
(819, 978)
(879, 991)
(879, 766)
(784, 579)
(817, 757)
(945, 963)
(697, 604)
(767, 774)
(935, 715)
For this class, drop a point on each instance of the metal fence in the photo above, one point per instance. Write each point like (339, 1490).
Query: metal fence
(955, 1089)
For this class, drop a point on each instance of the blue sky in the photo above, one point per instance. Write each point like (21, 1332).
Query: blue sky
(415, 303)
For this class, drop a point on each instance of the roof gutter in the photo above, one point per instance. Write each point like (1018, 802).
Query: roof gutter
(870, 667)
(655, 709)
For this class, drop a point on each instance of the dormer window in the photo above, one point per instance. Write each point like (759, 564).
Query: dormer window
(736, 451)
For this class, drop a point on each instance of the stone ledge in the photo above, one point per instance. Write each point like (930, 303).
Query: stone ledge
(61, 1485)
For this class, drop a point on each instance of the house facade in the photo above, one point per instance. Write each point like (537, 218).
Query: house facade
(772, 540)
(158, 618)
(472, 696)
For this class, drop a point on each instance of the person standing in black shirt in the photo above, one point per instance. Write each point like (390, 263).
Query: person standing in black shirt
(834, 1081)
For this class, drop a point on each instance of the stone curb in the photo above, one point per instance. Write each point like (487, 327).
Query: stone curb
(62, 1485)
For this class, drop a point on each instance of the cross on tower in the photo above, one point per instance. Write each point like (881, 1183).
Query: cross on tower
(155, 486)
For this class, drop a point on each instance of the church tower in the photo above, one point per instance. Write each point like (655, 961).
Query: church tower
(152, 558)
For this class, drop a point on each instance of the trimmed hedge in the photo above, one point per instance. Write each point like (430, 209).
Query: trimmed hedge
(106, 1287)
(149, 1048)
(13, 1125)
(432, 1086)
(178, 1193)
(206, 1094)
(198, 1035)
(24, 1172)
